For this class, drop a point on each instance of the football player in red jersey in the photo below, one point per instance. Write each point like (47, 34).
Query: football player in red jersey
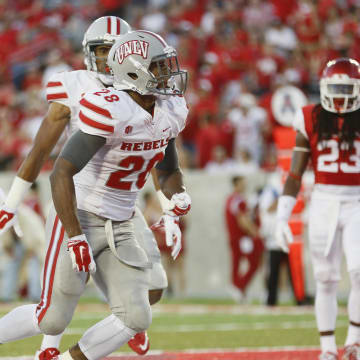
(329, 134)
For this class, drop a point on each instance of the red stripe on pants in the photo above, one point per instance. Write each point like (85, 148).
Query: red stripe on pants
(57, 243)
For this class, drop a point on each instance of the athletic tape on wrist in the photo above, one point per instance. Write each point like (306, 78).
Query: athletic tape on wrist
(17, 192)
(285, 207)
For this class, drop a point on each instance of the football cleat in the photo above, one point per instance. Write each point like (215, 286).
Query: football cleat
(351, 352)
(47, 354)
(140, 343)
(328, 356)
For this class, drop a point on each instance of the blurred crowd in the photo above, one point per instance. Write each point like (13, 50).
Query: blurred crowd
(237, 53)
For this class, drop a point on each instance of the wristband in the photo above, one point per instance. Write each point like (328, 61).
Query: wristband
(81, 237)
(17, 192)
(285, 207)
(164, 201)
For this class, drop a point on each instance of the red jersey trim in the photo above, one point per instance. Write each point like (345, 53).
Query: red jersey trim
(95, 124)
(56, 96)
(54, 83)
(95, 108)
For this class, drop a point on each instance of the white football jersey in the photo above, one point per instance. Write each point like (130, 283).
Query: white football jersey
(67, 88)
(135, 142)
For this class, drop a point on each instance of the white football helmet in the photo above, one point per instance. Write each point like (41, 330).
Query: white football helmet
(340, 86)
(131, 58)
(103, 31)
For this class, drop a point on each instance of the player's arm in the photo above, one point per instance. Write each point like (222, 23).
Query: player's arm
(47, 136)
(244, 221)
(287, 200)
(168, 173)
(76, 153)
(299, 162)
(174, 200)
(170, 178)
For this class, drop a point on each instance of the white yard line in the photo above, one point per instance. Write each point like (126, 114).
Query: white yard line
(226, 327)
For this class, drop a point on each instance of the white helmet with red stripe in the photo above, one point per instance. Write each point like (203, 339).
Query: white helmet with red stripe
(340, 86)
(103, 31)
(136, 53)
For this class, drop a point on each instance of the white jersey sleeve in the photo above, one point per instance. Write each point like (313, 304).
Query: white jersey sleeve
(56, 89)
(299, 122)
(95, 117)
(177, 111)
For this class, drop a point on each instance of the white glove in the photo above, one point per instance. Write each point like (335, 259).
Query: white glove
(180, 204)
(172, 234)
(170, 225)
(81, 254)
(8, 219)
(283, 235)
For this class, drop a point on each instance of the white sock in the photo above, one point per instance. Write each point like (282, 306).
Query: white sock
(51, 341)
(65, 356)
(353, 335)
(19, 323)
(328, 343)
(326, 305)
(326, 312)
(104, 337)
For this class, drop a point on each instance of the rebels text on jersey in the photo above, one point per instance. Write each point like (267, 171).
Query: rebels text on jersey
(135, 143)
(333, 165)
(67, 88)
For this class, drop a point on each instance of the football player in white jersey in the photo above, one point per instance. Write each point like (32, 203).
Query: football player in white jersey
(64, 90)
(329, 133)
(125, 131)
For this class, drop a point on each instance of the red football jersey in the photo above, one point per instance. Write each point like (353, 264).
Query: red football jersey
(235, 204)
(333, 165)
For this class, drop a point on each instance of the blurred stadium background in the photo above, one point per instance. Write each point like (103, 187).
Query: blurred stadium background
(252, 63)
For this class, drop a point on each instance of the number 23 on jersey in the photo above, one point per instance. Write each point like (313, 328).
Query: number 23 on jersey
(330, 163)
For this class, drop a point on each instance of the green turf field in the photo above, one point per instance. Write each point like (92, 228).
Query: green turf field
(196, 326)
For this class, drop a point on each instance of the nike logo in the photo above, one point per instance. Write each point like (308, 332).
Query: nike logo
(146, 343)
(4, 218)
(166, 129)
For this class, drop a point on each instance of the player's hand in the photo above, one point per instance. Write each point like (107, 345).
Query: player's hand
(81, 254)
(180, 204)
(8, 219)
(283, 235)
(170, 224)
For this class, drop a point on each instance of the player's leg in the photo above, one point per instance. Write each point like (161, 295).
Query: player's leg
(351, 247)
(252, 249)
(62, 286)
(327, 275)
(146, 239)
(236, 256)
(125, 287)
(50, 344)
(158, 279)
(275, 261)
(61, 289)
(49, 348)
(158, 282)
